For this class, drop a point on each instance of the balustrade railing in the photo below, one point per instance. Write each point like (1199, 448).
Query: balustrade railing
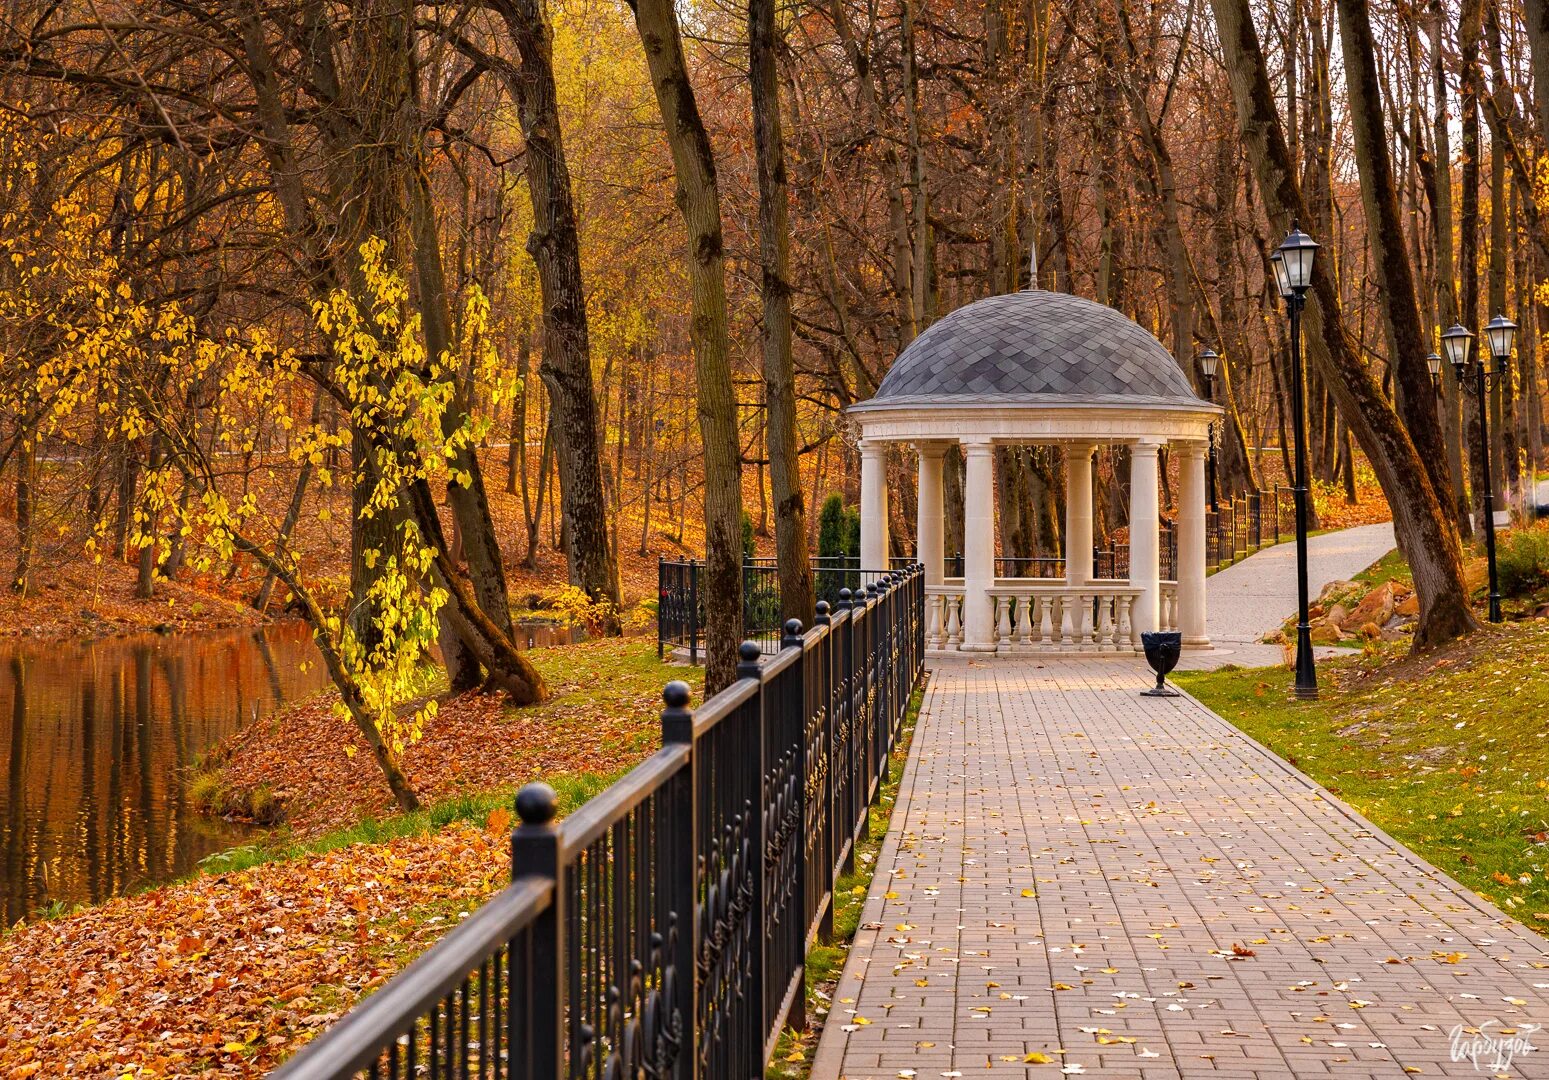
(661, 930)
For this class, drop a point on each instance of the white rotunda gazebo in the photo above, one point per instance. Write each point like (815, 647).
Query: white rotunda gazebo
(1040, 367)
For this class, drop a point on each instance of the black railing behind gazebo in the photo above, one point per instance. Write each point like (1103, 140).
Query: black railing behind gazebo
(680, 598)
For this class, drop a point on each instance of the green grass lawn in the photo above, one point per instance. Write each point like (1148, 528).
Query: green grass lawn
(1448, 753)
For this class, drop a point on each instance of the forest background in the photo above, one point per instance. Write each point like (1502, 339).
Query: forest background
(400, 315)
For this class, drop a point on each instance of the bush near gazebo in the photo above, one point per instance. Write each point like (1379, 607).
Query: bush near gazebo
(839, 545)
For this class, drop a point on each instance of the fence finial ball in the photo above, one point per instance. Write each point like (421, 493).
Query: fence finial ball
(676, 694)
(793, 628)
(749, 652)
(823, 608)
(536, 804)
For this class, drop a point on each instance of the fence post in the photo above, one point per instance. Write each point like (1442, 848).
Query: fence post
(844, 674)
(830, 790)
(748, 667)
(535, 853)
(876, 661)
(693, 612)
(793, 639)
(660, 596)
(681, 873)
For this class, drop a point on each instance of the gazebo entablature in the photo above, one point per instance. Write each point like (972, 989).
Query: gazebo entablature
(985, 382)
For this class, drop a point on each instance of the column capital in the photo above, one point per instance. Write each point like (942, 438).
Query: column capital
(1189, 448)
(1079, 446)
(1146, 447)
(872, 446)
(932, 449)
(977, 444)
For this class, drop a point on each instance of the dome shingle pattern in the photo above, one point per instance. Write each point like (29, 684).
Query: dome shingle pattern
(1035, 345)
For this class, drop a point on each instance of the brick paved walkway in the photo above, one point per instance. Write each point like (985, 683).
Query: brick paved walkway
(1071, 868)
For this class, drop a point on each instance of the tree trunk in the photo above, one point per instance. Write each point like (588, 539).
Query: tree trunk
(555, 246)
(1438, 178)
(1536, 15)
(1385, 230)
(795, 565)
(1503, 446)
(1469, 26)
(1425, 533)
(26, 497)
(699, 200)
(350, 693)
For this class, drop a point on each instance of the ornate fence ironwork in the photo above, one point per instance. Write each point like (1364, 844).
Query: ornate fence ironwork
(661, 930)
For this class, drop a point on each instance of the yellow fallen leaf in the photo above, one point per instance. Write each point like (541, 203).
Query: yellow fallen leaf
(1035, 1058)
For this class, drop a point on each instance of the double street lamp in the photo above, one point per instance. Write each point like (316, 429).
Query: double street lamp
(1292, 264)
(1501, 332)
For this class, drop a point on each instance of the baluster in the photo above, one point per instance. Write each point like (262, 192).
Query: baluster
(1126, 628)
(954, 620)
(1003, 623)
(1027, 611)
(1105, 623)
(933, 622)
(1045, 621)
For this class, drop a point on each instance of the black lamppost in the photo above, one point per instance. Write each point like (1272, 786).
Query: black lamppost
(1500, 332)
(1208, 362)
(1293, 274)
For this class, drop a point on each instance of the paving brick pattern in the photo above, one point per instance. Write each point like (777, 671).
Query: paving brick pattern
(1035, 344)
(1078, 872)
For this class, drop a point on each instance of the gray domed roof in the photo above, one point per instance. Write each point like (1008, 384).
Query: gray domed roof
(1035, 347)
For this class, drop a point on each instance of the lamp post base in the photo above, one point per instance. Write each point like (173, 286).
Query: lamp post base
(1306, 688)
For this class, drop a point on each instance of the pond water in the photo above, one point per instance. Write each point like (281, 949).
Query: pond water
(99, 737)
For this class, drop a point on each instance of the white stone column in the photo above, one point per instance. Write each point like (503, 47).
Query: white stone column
(1144, 540)
(1192, 497)
(978, 546)
(874, 545)
(930, 509)
(1078, 513)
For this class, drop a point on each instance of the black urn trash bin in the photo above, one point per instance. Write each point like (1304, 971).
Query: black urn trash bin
(1163, 647)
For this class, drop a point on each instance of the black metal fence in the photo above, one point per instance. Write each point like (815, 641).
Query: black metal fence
(661, 930)
(1243, 525)
(680, 612)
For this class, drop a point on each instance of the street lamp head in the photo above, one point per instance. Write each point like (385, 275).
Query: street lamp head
(1297, 253)
(1455, 340)
(1208, 362)
(1501, 332)
(1433, 364)
(1282, 282)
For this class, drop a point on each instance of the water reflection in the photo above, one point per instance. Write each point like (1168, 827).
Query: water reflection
(99, 742)
(100, 739)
